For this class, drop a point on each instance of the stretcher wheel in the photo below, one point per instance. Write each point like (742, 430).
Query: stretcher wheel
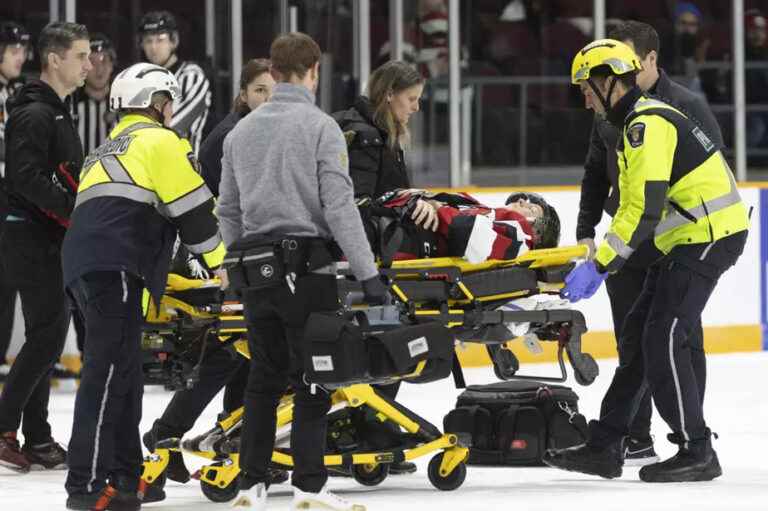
(449, 482)
(370, 475)
(218, 494)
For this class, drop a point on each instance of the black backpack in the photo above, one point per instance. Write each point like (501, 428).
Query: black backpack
(515, 422)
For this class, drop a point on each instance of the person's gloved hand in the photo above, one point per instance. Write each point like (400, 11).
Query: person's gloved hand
(582, 282)
(375, 291)
(196, 268)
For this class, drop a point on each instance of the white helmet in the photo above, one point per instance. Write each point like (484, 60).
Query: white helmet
(133, 88)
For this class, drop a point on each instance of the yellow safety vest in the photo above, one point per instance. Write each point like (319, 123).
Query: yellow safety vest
(674, 185)
(144, 162)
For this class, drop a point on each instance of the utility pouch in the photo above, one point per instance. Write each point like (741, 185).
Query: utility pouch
(255, 263)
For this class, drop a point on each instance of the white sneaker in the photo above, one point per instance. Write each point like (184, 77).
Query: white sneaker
(254, 497)
(324, 499)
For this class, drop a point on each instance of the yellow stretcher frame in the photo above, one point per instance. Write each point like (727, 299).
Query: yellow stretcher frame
(447, 469)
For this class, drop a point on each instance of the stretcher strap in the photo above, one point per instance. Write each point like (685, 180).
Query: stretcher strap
(458, 373)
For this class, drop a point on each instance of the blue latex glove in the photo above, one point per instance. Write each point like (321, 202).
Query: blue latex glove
(582, 282)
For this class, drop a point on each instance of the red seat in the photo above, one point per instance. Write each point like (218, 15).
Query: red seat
(572, 8)
(561, 40)
(638, 9)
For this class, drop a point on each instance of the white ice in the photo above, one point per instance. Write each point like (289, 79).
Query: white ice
(736, 408)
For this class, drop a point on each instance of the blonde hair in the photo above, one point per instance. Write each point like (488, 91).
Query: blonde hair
(388, 79)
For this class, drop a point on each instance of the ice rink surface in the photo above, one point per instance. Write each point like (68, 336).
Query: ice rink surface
(736, 408)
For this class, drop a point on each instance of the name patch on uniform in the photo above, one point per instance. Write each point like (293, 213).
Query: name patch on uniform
(636, 134)
(703, 139)
(114, 147)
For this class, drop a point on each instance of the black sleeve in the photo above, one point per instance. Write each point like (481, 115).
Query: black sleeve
(364, 165)
(702, 114)
(594, 186)
(211, 151)
(28, 173)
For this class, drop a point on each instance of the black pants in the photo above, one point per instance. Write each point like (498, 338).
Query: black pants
(220, 369)
(276, 319)
(663, 360)
(624, 288)
(105, 429)
(32, 264)
(7, 311)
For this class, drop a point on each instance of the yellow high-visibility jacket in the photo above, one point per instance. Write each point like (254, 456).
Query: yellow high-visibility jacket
(674, 184)
(137, 191)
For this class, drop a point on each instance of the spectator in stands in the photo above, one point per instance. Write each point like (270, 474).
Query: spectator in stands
(686, 47)
(426, 41)
(756, 50)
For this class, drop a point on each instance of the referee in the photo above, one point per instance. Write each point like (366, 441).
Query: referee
(93, 117)
(159, 39)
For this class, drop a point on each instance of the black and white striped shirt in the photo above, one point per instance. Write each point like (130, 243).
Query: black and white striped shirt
(191, 110)
(94, 120)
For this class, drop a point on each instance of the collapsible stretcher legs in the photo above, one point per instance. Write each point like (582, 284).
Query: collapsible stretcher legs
(447, 469)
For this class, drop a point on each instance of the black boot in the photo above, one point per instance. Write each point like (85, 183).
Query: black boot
(695, 460)
(600, 461)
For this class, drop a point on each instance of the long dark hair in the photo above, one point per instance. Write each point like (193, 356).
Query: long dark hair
(391, 78)
(251, 70)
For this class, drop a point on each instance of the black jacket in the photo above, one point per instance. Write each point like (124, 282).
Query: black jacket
(40, 136)
(212, 150)
(374, 167)
(600, 184)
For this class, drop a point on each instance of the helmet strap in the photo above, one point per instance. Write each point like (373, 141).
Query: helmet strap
(604, 100)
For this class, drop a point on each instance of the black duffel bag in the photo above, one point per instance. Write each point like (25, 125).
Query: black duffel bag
(342, 350)
(513, 423)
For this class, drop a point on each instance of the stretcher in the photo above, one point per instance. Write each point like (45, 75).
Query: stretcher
(472, 300)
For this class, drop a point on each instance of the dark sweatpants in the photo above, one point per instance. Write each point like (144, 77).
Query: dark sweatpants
(32, 265)
(659, 328)
(624, 288)
(276, 319)
(105, 429)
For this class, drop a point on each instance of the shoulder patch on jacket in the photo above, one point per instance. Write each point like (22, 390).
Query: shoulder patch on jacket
(636, 134)
(349, 136)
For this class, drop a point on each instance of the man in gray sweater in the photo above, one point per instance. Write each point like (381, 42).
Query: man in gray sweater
(285, 173)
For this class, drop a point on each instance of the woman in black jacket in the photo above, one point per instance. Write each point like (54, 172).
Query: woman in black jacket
(255, 88)
(376, 129)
